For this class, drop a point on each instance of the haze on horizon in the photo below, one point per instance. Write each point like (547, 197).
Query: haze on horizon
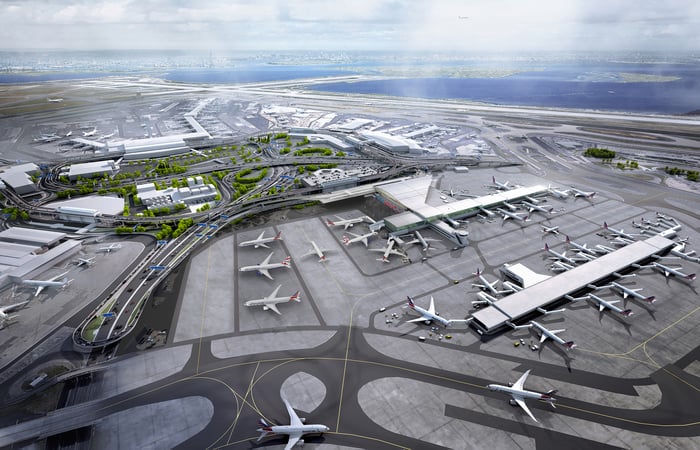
(357, 25)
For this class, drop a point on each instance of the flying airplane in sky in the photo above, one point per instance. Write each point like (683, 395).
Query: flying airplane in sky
(4, 310)
(500, 186)
(265, 266)
(486, 286)
(84, 261)
(110, 248)
(271, 301)
(359, 238)
(628, 292)
(559, 256)
(619, 233)
(261, 241)
(90, 133)
(429, 315)
(557, 193)
(533, 207)
(546, 333)
(388, 250)
(580, 193)
(295, 430)
(603, 304)
(519, 394)
(553, 230)
(511, 215)
(316, 250)
(51, 282)
(345, 222)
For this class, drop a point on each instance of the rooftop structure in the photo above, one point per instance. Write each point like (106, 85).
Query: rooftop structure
(88, 209)
(30, 236)
(19, 177)
(396, 144)
(334, 178)
(523, 275)
(196, 192)
(319, 138)
(540, 295)
(91, 169)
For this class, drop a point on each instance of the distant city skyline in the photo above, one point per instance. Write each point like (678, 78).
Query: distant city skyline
(390, 25)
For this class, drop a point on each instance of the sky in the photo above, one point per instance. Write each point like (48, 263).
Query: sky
(349, 25)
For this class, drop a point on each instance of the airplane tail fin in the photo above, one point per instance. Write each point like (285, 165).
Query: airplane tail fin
(493, 179)
(477, 273)
(627, 312)
(295, 297)
(329, 222)
(546, 247)
(690, 277)
(552, 392)
(410, 301)
(568, 241)
(279, 236)
(569, 345)
(287, 260)
(346, 240)
(651, 299)
(322, 258)
(550, 211)
(264, 429)
(605, 225)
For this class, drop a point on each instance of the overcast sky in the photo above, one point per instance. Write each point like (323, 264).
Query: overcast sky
(406, 25)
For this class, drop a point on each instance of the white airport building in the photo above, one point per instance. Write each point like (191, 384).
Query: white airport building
(196, 193)
(19, 177)
(92, 169)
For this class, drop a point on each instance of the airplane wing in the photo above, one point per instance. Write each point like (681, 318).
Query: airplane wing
(38, 290)
(521, 381)
(264, 272)
(273, 307)
(293, 439)
(274, 293)
(293, 418)
(262, 244)
(419, 319)
(267, 260)
(431, 309)
(9, 308)
(58, 276)
(522, 404)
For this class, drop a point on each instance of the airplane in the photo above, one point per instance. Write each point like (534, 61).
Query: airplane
(487, 212)
(547, 333)
(345, 222)
(261, 241)
(581, 248)
(604, 249)
(47, 138)
(553, 230)
(51, 282)
(533, 207)
(107, 136)
(498, 185)
(388, 250)
(69, 133)
(602, 304)
(584, 194)
(265, 266)
(560, 256)
(679, 251)
(485, 285)
(668, 271)
(519, 394)
(509, 206)
(510, 215)
(111, 248)
(54, 100)
(90, 133)
(357, 238)
(558, 266)
(4, 310)
(84, 261)
(618, 233)
(315, 250)
(628, 292)
(425, 242)
(429, 315)
(271, 301)
(295, 430)
(557, 193)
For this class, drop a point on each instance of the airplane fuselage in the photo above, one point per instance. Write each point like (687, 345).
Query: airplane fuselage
(522, 393)
(428, 316)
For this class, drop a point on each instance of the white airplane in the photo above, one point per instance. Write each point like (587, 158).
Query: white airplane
(668, 271)
(519, 394)
(345, 222)
(559, 256)
(553, 230)
(511, 215)
(603, 304)
(487, 212)
(90, 133)
(69, 133)
(5, 317)
(429, 315)
(316, 250)
(261, 241)
(603, 249)
(51, 282)
(679, 251)
(486, 286)
(509, 206)
(581, 248)
(54, 100)
(533, 207)
(84, 261)
(546, 333)
(107, 136)
(498, 185)
(295, 430)
(271, 301)
(388, 250)
(584, 194)
(618, 233)
(558, 266)
(264, 266)
(424, 242)
(110, 248)
(359, 238)
(557, 193)
(628, 292)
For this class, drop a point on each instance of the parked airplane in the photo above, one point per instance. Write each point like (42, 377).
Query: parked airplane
(425, 242)
(519, 394)
(668, 271)
(51, 282)
(271, 301)
(619, 233)
(533, 207)
(558, 266)
(90, 133)
(603, 304)
(261, 241)
(295, 430)
(84, 261)
(581, 248)
(359, 238)
(628, 292)
(580, 193)
(111, 248)
(429, 315)
(604, 249)
(487, 212)
(559, 256)
(679, 251)
(5, 317)
(509, 206)
(486, 286)
(553, 230)
(500, 186)
(345, 222)
(511, 215)
(266, 265)
(315, 250)
(557, 193)
(388, 250)
(546, 333)
(108, 136)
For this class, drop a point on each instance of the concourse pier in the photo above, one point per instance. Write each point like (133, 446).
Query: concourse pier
(524, 303)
